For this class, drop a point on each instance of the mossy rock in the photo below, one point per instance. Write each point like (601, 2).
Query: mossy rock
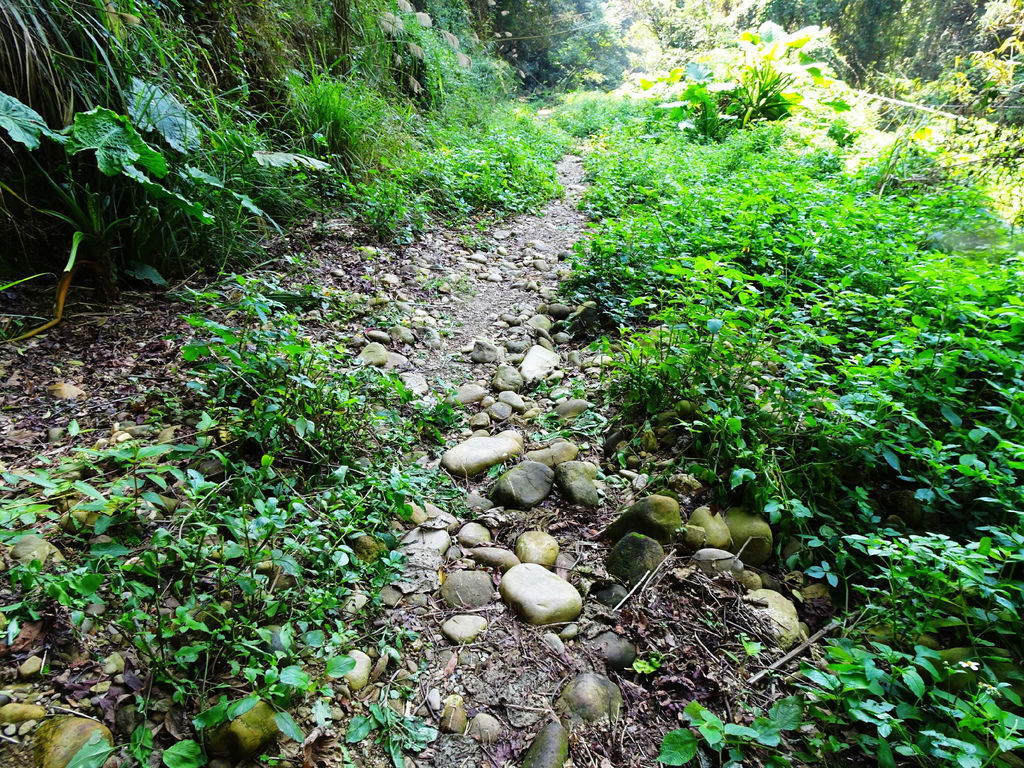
(706, 529)
(686, 409)
(633, 556)
(367, 548)
(751, 535)
(655, 516)
(781, 612)
(590, 698)
(59, 739)
(550, 749)
(245, 736)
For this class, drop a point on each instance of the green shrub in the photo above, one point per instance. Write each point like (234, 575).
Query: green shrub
(833, 369)
(587, 113)
(345, 119)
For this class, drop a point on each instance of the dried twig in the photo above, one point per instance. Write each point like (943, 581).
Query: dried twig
(646, 579)
(795, 652)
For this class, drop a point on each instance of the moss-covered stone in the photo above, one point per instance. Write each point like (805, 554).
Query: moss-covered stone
(656, 516)
(711, 530)
(550, 749)
(751, 535)
(633, 556)
(245, 736)
(524, 486)
(590, 698)
(19, 713)
(59, 739)
(367, 548)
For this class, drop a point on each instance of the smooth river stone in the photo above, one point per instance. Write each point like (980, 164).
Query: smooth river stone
(539, 596)
(538, 363)
(478, 454)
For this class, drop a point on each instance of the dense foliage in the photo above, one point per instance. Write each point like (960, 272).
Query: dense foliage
(835, 318)
(823, 293)
(237, 552)
(354, 107)
(960, 55)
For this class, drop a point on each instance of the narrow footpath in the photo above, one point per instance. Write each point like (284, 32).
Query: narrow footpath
(528, 626)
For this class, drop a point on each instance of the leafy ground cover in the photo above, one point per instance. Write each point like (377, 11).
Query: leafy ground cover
(237, 543)
(136, 178)
(843, 342)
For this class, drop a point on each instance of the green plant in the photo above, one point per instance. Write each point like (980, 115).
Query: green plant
(648, 665)
(396, 732)
(284, 397)
(765, 734)
(816, 351)
(922, 706)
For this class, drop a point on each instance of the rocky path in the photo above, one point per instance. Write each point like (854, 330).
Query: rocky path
(569, 551)
(523, 656)
(488, 587)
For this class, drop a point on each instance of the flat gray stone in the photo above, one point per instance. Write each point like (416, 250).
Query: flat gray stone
(416, 382)
(467, 589)
(576, 482)
(493, 557)
(478, 454)
(523, 486)
(570, 409)
(468, 394)
(538, 363)
(539, 596)
(558, 452)
(513, 400)
(463, 628)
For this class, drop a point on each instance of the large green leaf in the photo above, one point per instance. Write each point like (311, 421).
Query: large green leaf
(22, 123)
(93, 754)
(154, 109)
(289, 160)
(184, 754)
(339, 666)
(117, 144)
(678, 747)
(787, 713)
(160, 192)
(289, 727)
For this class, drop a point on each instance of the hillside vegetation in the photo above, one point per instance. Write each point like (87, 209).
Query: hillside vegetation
(300, 255)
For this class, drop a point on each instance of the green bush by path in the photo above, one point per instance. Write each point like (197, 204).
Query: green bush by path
(397, 118)
(850, 363)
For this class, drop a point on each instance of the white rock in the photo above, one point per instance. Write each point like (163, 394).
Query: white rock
(478, 454)
(538, 363)
(538, 596)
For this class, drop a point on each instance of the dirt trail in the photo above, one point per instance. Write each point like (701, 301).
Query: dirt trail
(516, 249)
(484, 670)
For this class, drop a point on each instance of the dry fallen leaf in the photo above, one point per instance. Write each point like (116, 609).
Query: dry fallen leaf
(65, 391)
(449, 668)
(317, 747)
(20, 437)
